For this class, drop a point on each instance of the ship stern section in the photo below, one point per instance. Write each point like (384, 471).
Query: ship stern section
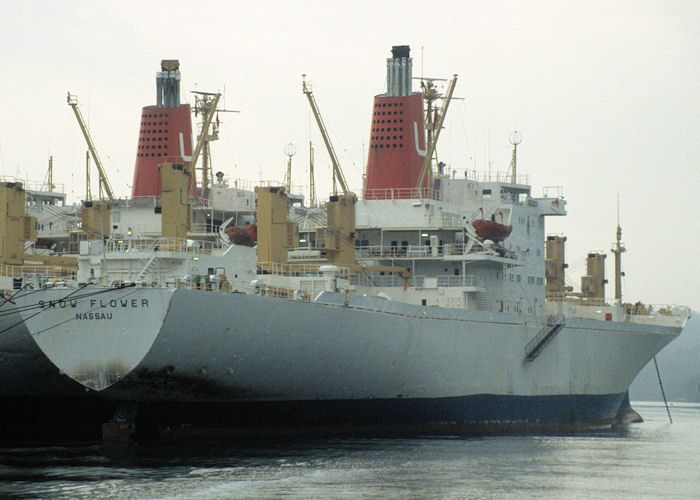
(96, 336)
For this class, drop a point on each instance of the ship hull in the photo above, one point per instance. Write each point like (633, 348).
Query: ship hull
(25, 370)
(469, 415)
(37, 402)
(369, 363)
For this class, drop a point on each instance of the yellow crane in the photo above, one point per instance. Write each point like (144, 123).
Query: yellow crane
(73, 102)
(312, 179)
(337, 172)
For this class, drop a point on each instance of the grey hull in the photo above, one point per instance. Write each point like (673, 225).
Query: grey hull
(366, 362)
(24, 368)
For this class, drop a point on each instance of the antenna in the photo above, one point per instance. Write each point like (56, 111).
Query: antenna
(49, 175)
(421, 65)
(488, 151)
(289, 150)
(515, 139)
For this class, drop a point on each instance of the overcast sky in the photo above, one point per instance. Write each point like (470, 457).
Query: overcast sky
(606, 95)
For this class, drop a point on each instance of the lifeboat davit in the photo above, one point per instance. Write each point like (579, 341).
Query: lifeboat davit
(491, 230)
(245, 236)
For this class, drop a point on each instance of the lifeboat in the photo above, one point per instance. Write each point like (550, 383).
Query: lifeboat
(491, 230)
(245, 236)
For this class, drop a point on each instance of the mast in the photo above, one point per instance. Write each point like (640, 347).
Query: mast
(205, 103)
(515, 139)
(618, 249)
(425, 170)
(49, 175)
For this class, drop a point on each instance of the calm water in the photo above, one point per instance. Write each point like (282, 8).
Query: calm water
(649, 460)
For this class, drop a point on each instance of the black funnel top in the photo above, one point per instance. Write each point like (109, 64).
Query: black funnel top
(399, 51)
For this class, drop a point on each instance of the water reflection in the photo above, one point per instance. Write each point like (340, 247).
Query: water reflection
(653, 459)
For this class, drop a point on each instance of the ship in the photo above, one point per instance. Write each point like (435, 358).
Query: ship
(35, 220)
(37, 402)
(387, 313)
(45, 233)
(41, 235)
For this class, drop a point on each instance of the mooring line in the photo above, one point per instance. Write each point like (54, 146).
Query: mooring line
(662, 390)
(35, 306)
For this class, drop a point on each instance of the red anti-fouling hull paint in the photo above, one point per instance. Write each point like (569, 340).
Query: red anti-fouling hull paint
(397, 147)
(165, 135)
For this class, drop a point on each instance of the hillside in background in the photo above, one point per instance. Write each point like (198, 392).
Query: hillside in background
(679, 365)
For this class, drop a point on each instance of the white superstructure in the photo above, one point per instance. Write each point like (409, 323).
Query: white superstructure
(467, 333)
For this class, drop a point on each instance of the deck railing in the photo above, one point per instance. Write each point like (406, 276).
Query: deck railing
(367, 280)
(301, 270)
(23, 271)
(372, 280)
(394, 251)
(499, 176)
(34, 185)
(181, 245)
(632, 310)
(401, 194)
(461, 280)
